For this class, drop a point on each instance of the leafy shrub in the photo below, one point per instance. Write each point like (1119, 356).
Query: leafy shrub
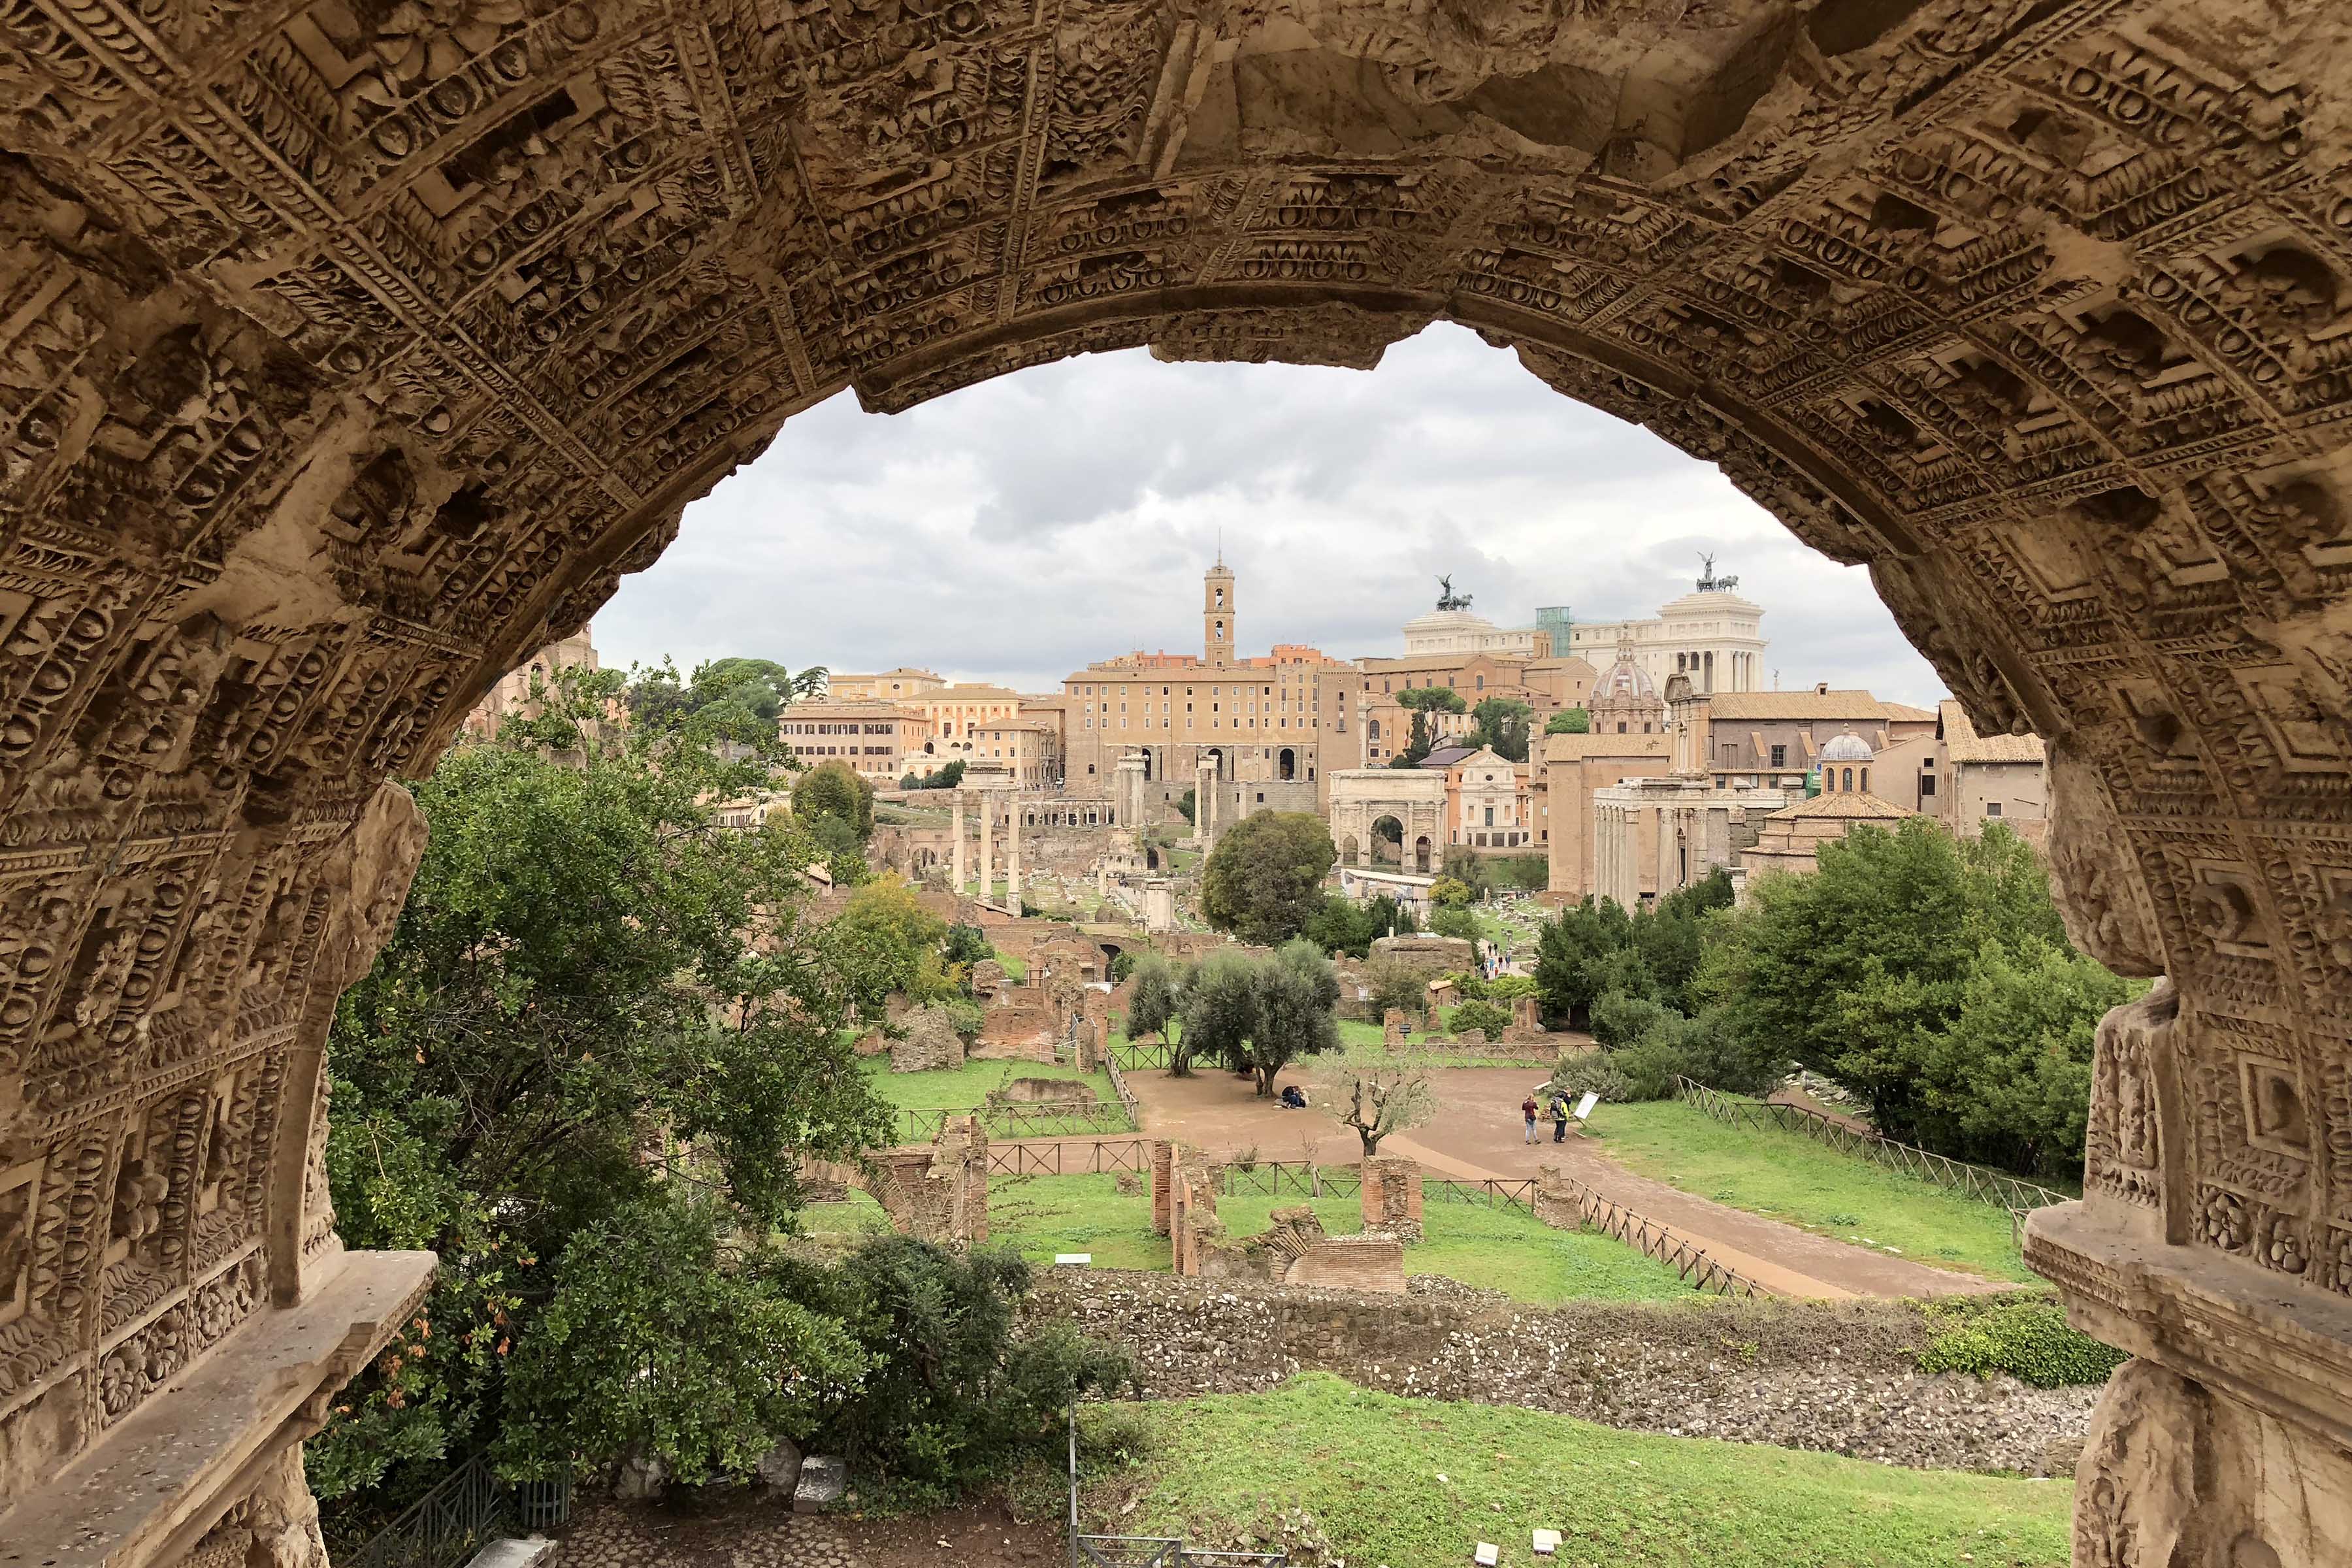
(1485, 1016)
(1621, 1018)
(1454, 921)
(951, 1398)
(966, 1017)
(1578, 1072)
(1509, 987)
(2028, 1339)
(1650, 1065)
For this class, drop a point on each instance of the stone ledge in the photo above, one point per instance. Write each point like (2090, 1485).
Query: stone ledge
(156, 1483)
(2259, 1336)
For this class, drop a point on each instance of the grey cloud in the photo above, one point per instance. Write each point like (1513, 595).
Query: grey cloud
(1017, 530)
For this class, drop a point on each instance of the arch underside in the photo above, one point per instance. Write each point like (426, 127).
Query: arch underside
(340, 366)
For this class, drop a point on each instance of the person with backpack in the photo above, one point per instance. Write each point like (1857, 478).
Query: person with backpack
(1559, 1119)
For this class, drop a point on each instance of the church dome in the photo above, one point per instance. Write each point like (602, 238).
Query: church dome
(1623, 681)
(1847, 748)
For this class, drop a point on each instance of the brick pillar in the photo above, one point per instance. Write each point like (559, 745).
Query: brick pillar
(1391, 1195)
(1163, 1175)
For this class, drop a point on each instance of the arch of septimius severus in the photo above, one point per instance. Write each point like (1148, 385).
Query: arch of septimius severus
(348, 350)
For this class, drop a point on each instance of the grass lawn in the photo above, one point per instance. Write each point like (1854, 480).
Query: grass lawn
(1413, 1483)
(1016, 970)
(955, 1088)
(1789, 1177)
(1500, 1249)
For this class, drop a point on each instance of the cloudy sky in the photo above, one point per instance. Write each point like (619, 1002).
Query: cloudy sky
(1017, 530)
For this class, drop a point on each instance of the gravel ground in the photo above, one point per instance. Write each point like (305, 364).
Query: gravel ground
(1833, 1376)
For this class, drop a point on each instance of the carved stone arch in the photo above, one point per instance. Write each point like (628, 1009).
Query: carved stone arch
(336, 375)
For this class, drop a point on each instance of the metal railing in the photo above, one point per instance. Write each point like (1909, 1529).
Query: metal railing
(465, 1510)
(2018, 1197)
(1689, 1260)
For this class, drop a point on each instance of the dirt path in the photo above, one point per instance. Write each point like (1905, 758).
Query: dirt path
(1479, 1134)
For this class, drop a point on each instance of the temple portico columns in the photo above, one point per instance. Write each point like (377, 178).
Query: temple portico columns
(1013, 853)
(962, 873)
(987, 846)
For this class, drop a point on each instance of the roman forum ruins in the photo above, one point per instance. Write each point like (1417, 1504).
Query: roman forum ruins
(345, 358)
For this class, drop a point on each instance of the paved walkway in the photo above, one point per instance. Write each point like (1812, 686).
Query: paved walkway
(1479, 1134)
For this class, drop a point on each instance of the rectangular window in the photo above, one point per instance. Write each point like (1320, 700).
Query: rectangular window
(1779, 756)
(1992, 808)
(1927, 785)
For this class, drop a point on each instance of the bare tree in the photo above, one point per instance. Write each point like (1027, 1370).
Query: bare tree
(1376, 1093)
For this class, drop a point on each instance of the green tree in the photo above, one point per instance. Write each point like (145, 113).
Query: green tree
(1217, 1010)
(1374, 1094)
(1449, 893)
(594, 998)
(1394, 984)
(1454, 921)
(659, 1345)
(951, 1395)
(1433, 699)
(1570, 721)
(1859, 968)
(2008, 1079)
(1265, 879)
(1188, 803)
(1569, 953)
(1152, 998)
(1502, 723)
(833, 789)
(884, 942)
(1260, 1015)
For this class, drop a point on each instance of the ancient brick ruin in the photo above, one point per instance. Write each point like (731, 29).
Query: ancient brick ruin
(337, 368)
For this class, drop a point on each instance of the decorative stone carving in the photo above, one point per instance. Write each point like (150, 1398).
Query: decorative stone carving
(345, 357)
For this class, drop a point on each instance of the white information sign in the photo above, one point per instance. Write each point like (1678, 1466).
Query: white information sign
(1584, 1107)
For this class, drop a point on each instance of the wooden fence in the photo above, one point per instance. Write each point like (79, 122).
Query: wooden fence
(1111, 1066)
(1685, 1257)
(1142, 1054)
(1272, 1178)
(1069, 1120)
(1491, 1192)
(2018, 1197)
(1072, 1159)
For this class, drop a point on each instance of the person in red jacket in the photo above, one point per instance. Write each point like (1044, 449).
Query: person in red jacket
(1528, 1108)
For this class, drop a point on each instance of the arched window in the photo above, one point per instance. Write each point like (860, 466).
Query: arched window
(1865, 781)
(1848, 786)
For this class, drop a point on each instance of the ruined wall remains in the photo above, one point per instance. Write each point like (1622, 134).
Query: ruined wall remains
(1391, 1195)
(930, 1043)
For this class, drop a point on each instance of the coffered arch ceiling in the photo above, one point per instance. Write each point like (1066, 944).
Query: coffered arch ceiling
(348, 351)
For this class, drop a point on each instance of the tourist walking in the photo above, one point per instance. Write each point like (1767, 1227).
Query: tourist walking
(1528, 1109)
(1559, 1119)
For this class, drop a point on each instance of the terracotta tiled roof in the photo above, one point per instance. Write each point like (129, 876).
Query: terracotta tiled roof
(1963, 744)
(1850, 804)
(1785, 705)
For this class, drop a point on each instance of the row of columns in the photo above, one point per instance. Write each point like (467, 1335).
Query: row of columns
(983, 800)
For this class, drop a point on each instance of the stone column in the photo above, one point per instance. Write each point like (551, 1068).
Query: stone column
(962, 871)
(1013, 853)
(987, 846)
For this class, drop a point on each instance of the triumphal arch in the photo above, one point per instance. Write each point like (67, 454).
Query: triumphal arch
(350, 348)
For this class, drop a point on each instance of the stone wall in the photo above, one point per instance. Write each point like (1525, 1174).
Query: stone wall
(936, 1191)
(1427, 955)
(1836, 1376)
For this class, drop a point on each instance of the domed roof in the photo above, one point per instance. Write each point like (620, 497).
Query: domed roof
(1847, 748)
(1625, 680)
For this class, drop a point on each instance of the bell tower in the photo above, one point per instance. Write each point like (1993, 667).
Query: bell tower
(1219, 615)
